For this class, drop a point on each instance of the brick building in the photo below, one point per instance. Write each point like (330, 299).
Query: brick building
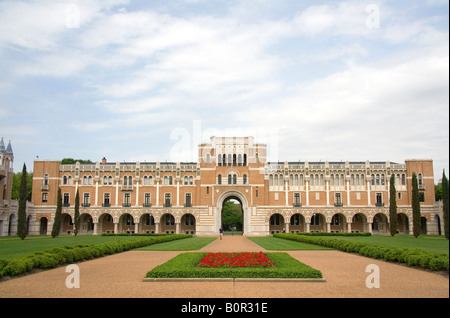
(187, 197)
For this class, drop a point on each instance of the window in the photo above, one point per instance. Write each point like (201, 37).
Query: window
(189, 219)
(106, 200)
(44, 197)
(421, 197)
(208, 158)
(219, 179)
(337, 199)
(167, 203)
(256, 193)
(126, 200)
(207, 190)
(149, 220)
(229, 179)
(66, 200)
(403, 179)
(185, 180)
(379, 199)
(420, 179)
(244, 179)
(295, 219)
(188, 200)
(296, 199)
(86, 199)
(219, 160)
(399, 195)
(65, 180)
(234, 179)
(147, 200)
(191, 180)
(46, 179)
(130, 220)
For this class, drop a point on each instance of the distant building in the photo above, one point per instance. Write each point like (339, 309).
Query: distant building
(187, 197)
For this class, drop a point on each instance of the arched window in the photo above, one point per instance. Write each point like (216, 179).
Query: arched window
(208, 158)
(170, 180)
(166, 180)
(403, 179)
(234, 179)
(45, 179)
(85, 180)
(65, 180)
(378, 179)
(271, 180)
(219, 179)
(90, 180)
(186, 180)
(191, 180)
(229, 179)
(219, 160)
(239, 160)
(244, 179)
(110, 180)
(130, 180)
(125, 180)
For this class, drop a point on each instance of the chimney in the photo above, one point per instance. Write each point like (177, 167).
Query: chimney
(103, 161)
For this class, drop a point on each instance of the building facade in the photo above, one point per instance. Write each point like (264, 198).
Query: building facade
(188, 197)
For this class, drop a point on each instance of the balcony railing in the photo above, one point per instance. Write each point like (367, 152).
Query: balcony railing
(422, 187)
(297, 205)
(126, 204)
(379, 204)
(147, 205)
(45, 187)
(85, 205)
(106, 205)
(338, 204)
(188, 205)
(167, 205)
(127, 187)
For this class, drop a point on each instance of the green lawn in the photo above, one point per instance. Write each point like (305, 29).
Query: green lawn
(186, 266)
(189, 244)
(432, 243)
(276, 244)
(13, 246)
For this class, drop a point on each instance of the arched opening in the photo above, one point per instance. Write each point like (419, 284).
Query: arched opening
(437, 221)
(359, 223)
(105, 223)
(423, 225)
(402, 223)
(168, 224)
(187, 225)
(297, 224)
(276, 224)
(12, 226)
(318, 223)
(147, 223)
(66, 224)
(126, 223)
(43, 222)
(86, 224)
(380, 224)
(338, 223)
(232, 220)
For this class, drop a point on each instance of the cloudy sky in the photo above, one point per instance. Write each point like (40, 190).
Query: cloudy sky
(149, 80)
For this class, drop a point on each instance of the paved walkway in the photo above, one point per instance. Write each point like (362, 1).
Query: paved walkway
(120, 276)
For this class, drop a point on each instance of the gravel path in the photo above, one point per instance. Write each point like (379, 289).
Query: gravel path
(121, 276)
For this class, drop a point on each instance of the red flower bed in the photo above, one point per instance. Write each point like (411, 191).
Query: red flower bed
(236, 260)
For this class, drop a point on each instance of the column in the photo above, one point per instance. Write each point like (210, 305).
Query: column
(349, 227)
(117, 193)
(307, 193)
(348, 192)
(286, 226)
(328, 227)
(328, 191)
(157, 193)
(177, 228)
(116, 228)
(368, 194)
(95, 227)
(96, 193)
(178, 194)
(157, 224)
(286, 194)
(308, 227)
(369, 225)
(137, 194)
(136, 227)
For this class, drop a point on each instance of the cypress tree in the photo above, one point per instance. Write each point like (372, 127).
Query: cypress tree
(76, 223)
(392, 206)
(57, 220)
(445, 195)
(415, 206)
(22, 230)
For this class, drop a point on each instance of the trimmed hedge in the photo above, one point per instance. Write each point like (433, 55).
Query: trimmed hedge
(411, 257)
(186, 266)
(80, 252)
(334, 234)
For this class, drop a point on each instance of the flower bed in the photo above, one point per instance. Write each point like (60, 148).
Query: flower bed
(236, 260)
(186, 265)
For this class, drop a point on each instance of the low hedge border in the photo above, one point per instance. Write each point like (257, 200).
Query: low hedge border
(411, 257)
(71, 254)
(334, 234)
(186, 266)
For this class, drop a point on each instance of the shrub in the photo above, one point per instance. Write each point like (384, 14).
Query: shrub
(412, 257)
(17, 266)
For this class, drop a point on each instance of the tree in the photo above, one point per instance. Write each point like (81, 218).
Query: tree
(445, 195)
(232, 215)
(15, 188)
(415, 206)
(392, 206)
(76, 217)
(57, 220)
(22, 230)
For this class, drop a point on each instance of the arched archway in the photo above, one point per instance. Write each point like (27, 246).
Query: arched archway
(239, 197)
(43, 222)
(276, 223)
(187, 225)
